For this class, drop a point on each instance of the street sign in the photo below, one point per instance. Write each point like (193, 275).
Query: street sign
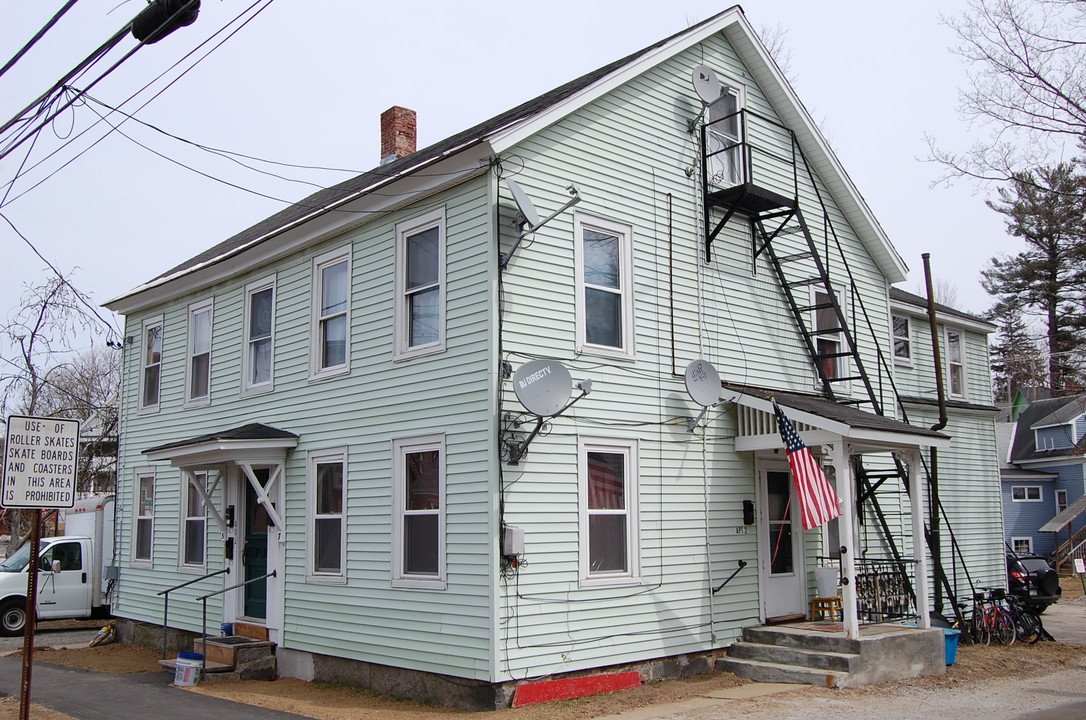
(40, 462)
(1080, 566)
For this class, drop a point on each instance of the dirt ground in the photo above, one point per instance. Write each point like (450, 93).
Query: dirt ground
(326, 701)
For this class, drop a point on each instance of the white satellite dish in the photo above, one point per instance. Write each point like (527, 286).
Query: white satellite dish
(703, 383)
(524, 205)
(542, 386)
(706, 83)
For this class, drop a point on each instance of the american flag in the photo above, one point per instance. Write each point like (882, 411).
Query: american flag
(817, 500)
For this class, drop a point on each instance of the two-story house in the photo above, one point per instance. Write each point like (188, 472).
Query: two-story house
(375, 405)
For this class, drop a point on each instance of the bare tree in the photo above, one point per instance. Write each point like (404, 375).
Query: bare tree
(1027, 84)
(945, 291)
(43, 374)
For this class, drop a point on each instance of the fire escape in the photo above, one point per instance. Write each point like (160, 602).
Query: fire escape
(754, 170)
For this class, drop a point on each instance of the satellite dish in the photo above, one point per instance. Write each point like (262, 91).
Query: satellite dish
(706, 83)
(542, 386)
(703, 382)
(524, 204)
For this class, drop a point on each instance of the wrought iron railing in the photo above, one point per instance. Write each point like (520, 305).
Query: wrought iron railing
(884, 590)
(166, 601)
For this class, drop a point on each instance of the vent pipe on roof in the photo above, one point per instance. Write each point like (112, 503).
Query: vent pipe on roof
(398, 133)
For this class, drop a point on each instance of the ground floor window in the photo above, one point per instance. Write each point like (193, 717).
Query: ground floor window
(418, 490)
(194, 524)
(1022, 545)
(608, 517)
(327, 470)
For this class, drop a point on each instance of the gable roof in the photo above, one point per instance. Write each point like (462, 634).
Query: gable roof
(512, 126)
(1045, 413)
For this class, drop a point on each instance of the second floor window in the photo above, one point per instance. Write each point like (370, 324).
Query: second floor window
(151, 378)
(332, 285)
(903, 348)
(605, 287)
(955, 363)
(259, 323)
(420, 307)
(200, 352)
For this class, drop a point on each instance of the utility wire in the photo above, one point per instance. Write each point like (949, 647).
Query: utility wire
(40, 34)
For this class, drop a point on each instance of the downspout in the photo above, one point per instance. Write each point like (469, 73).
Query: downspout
(935, 541)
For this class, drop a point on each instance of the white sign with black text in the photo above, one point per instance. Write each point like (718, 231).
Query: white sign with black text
(40, 462)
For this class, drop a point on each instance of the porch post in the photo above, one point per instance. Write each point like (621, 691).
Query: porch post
(847, 523)
(920, 546)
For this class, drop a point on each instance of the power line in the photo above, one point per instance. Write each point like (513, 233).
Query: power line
(40, 34)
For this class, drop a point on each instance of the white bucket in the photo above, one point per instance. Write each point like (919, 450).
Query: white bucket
(187, 670)
(826, 580)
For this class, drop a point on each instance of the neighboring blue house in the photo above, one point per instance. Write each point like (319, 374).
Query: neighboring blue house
(1042, 474)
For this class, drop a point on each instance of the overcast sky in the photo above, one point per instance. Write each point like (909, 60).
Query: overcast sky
(305, 81)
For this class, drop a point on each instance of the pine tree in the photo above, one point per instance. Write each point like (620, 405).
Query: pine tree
(1018, 363)
(1047, 209)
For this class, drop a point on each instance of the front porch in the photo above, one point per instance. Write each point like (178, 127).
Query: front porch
(819, 653)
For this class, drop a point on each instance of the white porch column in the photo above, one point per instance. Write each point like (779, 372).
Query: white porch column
(841, 454)
(917, 491)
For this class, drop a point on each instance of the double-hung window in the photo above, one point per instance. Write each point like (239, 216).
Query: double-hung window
(955, 364)
(605, 298)
(419, 489)
(194, 522)
(327, 488)
(903, 345)
(420, 283)
(830, 338)
(151, 377)
(199, 367)
(609, 534)
(259, 327)
(1026, 493)
(145, 516)
(724, 136)
(331, 313)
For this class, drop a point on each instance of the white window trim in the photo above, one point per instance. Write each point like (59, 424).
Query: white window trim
(1056, 497)
(947, 331)
(844, 363)
(251, 289)
(1026, 489)
(147, 325)
(625, 234)
(139, 474)
(183, 534)
(730, 86)
(315, 458)
(195, 309)
(1015, 540)
(907, 337)
(401, 447)
(629, 449)
(319, 263)
(402, 332)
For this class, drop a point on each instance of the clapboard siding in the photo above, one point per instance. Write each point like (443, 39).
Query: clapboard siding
(379, 400)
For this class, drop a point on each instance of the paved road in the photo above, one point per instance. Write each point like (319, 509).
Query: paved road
(48, 636)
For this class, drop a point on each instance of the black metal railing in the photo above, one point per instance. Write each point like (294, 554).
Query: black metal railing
(203, 620)
(884, 590)
(166, 601)
(747, 147)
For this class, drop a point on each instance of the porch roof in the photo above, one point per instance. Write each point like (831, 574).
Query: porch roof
(254, 443)
(820, 421)
(1071, 512)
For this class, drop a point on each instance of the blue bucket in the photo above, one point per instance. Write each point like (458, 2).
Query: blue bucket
(950, 636)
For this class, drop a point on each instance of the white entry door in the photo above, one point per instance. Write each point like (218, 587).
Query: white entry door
(780, 545)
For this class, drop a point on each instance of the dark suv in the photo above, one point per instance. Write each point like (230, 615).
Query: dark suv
(1031, 578)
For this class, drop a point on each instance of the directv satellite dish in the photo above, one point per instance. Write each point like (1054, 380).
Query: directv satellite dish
(542, 386)
(524, 205)
(703, 383)
(706, 84)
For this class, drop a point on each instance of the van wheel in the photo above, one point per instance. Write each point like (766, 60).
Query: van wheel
(12, 617)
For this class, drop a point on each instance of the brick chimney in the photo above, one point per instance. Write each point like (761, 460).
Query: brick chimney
(397, 133)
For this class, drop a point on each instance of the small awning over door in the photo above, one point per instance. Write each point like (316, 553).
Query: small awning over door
(246, 447)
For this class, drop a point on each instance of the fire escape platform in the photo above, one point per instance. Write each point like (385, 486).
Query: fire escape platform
(749, 199)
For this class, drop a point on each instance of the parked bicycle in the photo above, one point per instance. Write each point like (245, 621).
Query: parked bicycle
(1027, 623)
(999, 623)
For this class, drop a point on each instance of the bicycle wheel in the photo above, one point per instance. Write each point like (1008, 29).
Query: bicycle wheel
(1028, 626)
(1004, 627)
(978, 629)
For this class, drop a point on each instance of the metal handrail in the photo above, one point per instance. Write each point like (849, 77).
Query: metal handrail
(166, 601)
(203, 620)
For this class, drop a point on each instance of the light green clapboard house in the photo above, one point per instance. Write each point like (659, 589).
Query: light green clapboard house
(341, 397)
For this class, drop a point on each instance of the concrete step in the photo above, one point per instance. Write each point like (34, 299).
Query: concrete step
(782, 673)
(783, 636)
(786, 655)
(209, 666)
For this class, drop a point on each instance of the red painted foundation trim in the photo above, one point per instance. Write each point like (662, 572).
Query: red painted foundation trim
(568, 688)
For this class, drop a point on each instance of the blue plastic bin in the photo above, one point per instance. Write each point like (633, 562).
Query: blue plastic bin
(950, 636)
